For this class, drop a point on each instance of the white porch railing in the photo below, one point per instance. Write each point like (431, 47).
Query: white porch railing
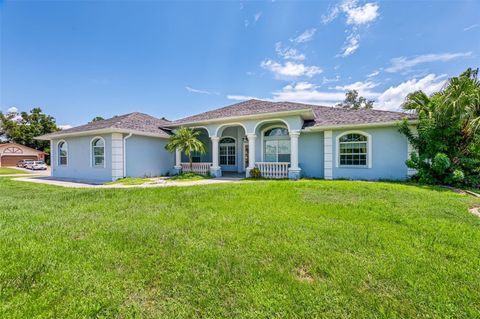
(199, 168)
(273, 170)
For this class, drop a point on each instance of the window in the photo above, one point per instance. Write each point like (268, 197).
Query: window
(228, 151)
(353, 149)
(276, 146)
(62, 153)
(196, 157)
(98, 152)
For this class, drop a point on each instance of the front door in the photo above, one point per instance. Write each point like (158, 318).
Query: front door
(245, 156)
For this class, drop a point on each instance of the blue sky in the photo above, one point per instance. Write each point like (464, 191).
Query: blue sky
(77, 60)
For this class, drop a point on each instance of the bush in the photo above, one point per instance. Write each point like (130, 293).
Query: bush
(255, 173)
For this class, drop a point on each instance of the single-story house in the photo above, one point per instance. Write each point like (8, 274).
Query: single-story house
(282, 139)
(12, 153)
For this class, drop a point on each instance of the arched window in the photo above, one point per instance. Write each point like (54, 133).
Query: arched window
(228, 152)
(62, 153)
(353, 149)
(276, 146)
(98, 152)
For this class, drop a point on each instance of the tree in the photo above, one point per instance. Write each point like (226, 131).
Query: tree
(447, 140)
(23, 127)
(186, 140)
(97, 118)
(354, 101)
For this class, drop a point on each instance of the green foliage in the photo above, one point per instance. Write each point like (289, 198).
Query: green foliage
(354, 101)
(23, 127)
(187, 177)
(255, 173)
(186, 140)
(447, 137)
(97, 118)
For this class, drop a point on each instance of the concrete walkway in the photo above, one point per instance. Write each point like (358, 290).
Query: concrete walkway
(155, 183)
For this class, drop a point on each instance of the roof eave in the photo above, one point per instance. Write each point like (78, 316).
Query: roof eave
(246, 117)
(49, 137)
(360, 125)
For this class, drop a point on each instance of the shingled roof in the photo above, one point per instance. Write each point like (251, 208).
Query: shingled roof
(136, 122)
(324, 116)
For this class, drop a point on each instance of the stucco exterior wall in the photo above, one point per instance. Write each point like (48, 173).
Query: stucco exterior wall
(147, 156)
(79, 159)
(389, 152)
(310, 154)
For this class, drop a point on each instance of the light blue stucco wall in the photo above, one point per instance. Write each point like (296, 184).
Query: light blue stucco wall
(389, 153)
(79, 160)
(311, 154)
(147, 156)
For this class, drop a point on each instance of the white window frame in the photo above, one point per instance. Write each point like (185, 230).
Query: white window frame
(262, 140)
(234, 144)
(369, 150)
(92, 154)
(58, 153)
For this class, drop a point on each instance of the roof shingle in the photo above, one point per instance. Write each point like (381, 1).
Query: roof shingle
(324, 115)
(135, 121)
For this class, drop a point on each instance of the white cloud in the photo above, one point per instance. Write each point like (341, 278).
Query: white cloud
(351, 44)
(288, 53)
(306, 36)
(290, 69)
(241, 97)
(189, 89)
(327, 80)
(473, 26)
(304, 92)
(246, 23)
(364, 88)
(392, 98)
(65, 127)
(374, 73)
(403, 63)
(257, 16)
(12, 109)
(357, 15)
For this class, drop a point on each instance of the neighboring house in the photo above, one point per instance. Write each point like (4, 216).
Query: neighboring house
(12, 153)
(282, 139)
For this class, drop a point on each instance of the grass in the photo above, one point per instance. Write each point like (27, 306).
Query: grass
(131, 181)
(8, 171)
(187, 177)
(266, 249)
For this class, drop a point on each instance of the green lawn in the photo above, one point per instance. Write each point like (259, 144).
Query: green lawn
(186, 177)
(267, 249)
(8, 171)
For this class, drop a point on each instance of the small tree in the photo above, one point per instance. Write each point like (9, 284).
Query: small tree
(186, 140)
(354, 101)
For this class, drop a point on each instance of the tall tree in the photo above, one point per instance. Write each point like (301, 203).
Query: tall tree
(447, 137)
(96, 119)
(186, 140)
(354, 101)
(23, 127)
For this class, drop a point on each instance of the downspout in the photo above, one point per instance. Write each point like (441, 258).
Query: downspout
(125, 154)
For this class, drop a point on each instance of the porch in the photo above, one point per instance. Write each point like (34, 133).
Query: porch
(272, 148)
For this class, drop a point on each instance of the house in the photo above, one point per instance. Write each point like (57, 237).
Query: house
(282, 139)
(12, 153)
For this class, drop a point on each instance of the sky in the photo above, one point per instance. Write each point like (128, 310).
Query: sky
(81, 59)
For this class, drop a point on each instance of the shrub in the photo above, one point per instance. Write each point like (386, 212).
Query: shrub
(255, 173)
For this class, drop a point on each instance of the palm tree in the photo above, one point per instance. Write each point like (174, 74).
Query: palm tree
(186, 140)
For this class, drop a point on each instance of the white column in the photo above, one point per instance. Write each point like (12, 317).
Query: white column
(117, 156)
(251, 150)
(178, 159)
(294, 149)
(328, 155)
(215, 163)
